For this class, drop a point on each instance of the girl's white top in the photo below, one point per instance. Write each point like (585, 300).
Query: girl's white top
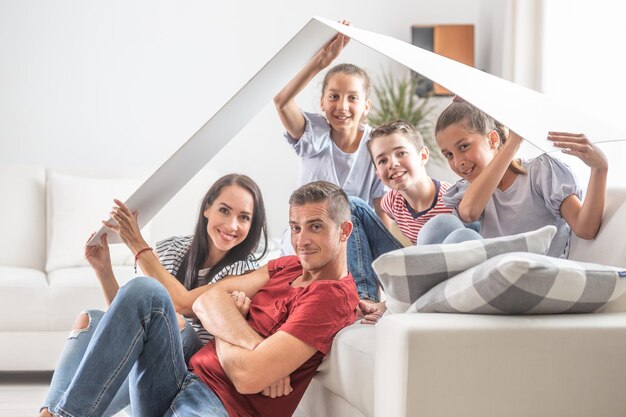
(531, 202)
(322, 160)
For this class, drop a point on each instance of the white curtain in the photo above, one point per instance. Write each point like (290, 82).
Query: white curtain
(584, 64)
(523, 43)
(574, 51)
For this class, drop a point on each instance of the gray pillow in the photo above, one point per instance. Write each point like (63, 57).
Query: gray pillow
(408, 273)
(525, 283)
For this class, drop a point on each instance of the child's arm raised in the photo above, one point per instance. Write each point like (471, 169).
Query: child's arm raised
(288, 111)
(584, 217)
(479, 192)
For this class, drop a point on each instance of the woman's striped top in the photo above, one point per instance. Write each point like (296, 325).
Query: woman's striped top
(171, 253)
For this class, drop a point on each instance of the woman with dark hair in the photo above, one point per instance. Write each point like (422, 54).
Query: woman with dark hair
(231, 222)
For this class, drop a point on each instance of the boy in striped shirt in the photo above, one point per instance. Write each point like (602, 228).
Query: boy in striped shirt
(399, 156)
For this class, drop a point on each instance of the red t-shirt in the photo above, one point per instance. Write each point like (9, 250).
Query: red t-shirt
(313, 314)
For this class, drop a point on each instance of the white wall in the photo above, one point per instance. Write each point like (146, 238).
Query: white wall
(118, 83)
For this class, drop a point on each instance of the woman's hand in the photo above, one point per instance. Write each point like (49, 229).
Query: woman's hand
(578, 145)
(126, 227)
(99, 256)
(333, 48)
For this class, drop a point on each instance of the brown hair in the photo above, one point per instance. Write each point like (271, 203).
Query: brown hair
(348, 69)
(402, 127)
(324, 191)
(475, 121)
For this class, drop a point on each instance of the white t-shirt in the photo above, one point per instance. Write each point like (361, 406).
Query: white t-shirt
(343, 162)
(321, 160)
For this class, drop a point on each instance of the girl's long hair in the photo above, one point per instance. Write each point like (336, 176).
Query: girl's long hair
(198, 250)
(475, 121)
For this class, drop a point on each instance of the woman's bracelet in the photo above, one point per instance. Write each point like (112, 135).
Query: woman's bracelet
(139, 253)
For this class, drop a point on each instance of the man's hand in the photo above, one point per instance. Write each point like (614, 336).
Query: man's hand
(242, 302)
(279, 388)
(370, 311)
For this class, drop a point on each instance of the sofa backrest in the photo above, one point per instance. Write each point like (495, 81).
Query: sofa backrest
(609, 246)
(22, 216)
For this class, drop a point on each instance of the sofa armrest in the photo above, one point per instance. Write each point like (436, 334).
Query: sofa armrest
(473, 365)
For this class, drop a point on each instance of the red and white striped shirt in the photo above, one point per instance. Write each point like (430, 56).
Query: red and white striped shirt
(409, 221)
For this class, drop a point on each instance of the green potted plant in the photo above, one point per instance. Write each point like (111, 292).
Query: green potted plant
(395, 99)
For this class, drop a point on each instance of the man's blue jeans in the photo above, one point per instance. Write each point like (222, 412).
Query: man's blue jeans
(369, 239)
(139, 339)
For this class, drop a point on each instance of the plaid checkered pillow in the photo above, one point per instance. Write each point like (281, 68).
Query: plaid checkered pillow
(408, 273)
(525, 283)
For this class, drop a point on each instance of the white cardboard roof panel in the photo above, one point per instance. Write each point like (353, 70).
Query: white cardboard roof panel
(527, 112)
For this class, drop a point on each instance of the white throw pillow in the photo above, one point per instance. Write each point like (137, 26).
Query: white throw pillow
(76, 206)
(407, 274)
(525, 283)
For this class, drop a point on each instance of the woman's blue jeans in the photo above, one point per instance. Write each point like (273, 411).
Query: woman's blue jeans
(369, 239)
(138, 342)
(73, 353)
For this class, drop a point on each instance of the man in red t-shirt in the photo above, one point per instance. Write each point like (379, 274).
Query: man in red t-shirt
(298, 304)
(272, 328)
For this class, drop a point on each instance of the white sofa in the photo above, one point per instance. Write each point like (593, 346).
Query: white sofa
(408, 365)
(44, 280)
(442, 365)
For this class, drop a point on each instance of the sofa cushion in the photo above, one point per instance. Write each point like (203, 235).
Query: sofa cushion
(22, 216)
(76, 207)
(24, 303)
(406, 274)
(525, 283)
(609, 246)
(72, 290)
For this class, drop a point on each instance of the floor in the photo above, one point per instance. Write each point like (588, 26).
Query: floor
(21, 394)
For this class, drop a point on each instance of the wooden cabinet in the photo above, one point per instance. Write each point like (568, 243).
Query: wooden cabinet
(452, 41)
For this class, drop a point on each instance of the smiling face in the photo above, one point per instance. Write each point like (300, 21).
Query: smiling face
(229, 219)
(315, 237)
(468, 153)
(345, 101)
(398, 163)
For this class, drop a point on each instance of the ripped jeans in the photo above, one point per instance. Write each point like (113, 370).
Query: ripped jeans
(75, 349)
(138, 339)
